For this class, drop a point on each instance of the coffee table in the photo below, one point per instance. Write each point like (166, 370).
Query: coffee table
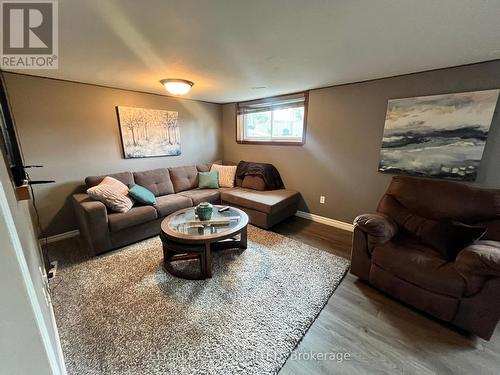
(185, 237)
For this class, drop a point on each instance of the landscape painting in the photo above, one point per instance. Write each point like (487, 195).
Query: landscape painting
(148, 132)
(440, 136)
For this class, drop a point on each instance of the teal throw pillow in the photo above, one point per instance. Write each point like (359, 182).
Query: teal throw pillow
(208, 180)
(142, 195)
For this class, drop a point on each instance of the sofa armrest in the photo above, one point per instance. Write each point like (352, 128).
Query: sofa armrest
(378, 228)
(480, 259)
(92, 217)
(95, 210)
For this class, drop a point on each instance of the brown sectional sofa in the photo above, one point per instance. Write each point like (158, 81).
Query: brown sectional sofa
(175, 188)
(464, 291)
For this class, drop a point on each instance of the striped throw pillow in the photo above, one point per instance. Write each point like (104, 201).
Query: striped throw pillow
(226, 174)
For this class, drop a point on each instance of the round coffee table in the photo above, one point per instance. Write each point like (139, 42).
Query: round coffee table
(185, 237)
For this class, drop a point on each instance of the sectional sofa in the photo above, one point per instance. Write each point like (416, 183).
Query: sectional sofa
(174, 188)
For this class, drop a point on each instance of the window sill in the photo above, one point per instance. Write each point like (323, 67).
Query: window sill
(271, 143)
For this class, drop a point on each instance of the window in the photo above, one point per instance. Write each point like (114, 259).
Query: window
(278, 120)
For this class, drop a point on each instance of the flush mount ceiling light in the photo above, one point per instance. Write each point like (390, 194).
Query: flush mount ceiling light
(177, 86)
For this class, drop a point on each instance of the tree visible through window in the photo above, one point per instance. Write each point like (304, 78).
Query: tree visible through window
(280, 120)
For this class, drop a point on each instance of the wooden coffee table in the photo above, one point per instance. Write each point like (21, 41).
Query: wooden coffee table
(185, 237)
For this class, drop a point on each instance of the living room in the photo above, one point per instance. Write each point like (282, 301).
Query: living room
(250, 187)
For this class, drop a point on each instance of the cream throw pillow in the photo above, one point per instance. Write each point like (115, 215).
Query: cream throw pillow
(113, 193)
(226, 174)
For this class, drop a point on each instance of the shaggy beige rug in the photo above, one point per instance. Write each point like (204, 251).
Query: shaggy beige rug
(123, 314)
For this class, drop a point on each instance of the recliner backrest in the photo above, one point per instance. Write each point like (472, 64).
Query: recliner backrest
(126, 177)
(446, 200)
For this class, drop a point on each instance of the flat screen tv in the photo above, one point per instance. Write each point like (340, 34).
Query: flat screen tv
(8, 139)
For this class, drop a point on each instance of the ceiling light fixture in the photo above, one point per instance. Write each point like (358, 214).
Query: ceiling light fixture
(177, 86)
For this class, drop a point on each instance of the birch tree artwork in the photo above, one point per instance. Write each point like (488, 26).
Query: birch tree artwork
(148, 132)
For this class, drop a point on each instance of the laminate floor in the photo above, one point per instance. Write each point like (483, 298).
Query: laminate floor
(376, 333)
(361, 330)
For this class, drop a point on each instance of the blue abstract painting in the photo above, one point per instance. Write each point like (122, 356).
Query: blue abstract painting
(440, 136)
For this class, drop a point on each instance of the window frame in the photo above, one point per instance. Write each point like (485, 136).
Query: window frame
(240, 129)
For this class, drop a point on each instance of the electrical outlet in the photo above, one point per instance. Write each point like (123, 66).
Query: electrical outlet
(322, 199)
(53, 269)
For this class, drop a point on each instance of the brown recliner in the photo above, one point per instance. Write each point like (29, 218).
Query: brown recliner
(464, 292)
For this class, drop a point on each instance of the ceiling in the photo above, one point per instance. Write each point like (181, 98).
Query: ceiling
(237, 50)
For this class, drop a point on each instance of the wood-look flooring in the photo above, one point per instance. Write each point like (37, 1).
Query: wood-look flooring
(381, 335)
(377, 334)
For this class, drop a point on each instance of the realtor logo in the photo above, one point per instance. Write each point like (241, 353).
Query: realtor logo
(29, 35)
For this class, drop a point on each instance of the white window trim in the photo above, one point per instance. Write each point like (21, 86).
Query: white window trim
(242, 137)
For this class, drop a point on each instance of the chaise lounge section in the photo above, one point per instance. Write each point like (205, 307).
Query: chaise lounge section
(175, 188)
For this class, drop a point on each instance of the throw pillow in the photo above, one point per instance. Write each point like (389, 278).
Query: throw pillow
(226, 174)
(254, 182)
(142, 195)
(208, 180)
(448, 238)
(113, 193)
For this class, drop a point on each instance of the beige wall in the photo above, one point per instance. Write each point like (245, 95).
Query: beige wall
(72, 130)
(344, 133)
(29, 343)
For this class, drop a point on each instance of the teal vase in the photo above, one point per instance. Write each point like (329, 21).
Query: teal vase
(204, 211)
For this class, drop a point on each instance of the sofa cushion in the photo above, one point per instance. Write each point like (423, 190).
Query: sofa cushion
(206, 166)
(126, 177)
(184, 178)
(419, 265)
(269, 202)
(166, 204)
(436, 304)
(136, 215)
(201, 195)
(155, 180)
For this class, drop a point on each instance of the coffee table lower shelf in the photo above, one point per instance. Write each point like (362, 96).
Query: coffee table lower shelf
(174, 251)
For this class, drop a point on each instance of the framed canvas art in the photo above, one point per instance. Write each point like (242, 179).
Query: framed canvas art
(148, 132)
(440, 136)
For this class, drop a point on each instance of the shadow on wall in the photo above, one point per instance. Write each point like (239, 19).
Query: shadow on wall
(62, 218)
(491, 154)
(303, 205)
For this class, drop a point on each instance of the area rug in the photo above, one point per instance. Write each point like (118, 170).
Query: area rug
(123, 314)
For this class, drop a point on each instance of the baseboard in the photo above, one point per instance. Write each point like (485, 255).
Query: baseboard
(60, 236)
(325, 220)
(305, 215)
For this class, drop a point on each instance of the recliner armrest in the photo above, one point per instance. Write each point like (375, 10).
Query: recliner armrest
(480, 259)
(379, 228)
